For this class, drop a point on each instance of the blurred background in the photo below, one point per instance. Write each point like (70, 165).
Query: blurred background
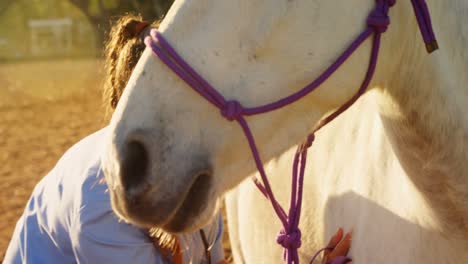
(51, 75)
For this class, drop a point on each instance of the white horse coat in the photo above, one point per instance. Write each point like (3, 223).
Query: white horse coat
(392, 168)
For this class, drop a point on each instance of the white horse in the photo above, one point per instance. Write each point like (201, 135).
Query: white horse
(393, 168)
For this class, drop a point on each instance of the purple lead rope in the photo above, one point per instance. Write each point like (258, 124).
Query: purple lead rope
(290, 235)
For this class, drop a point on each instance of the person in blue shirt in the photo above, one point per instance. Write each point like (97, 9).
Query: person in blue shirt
(69, 218)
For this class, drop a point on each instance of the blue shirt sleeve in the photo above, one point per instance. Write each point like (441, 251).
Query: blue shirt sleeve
(99, 237)
(69, 219)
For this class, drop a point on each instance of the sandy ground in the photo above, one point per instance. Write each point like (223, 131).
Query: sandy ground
(45, 107)
(41, 116)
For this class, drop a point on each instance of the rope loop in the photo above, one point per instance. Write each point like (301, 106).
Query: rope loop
(290, 240)
(310, 140)
(232, 110)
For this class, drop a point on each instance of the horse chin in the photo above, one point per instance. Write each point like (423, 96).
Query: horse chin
(135, 212)
(184, 222)
(172, 215)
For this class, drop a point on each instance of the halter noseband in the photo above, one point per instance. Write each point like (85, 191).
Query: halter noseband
(378, 21)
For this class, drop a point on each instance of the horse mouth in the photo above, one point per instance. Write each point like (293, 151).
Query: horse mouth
(192, 206)
(144, 212)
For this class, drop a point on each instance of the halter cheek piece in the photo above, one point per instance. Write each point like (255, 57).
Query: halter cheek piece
(378, 21)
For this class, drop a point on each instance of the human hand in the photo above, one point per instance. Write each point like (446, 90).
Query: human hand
(340, 246)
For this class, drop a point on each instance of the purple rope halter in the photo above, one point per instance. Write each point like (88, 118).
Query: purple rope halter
(290, 235)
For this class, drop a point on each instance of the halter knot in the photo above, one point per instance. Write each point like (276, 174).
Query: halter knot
(290, 240)
(379, 20)
(232, 110)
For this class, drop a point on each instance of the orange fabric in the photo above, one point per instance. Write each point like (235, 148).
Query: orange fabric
(175, 253)
(178, 255)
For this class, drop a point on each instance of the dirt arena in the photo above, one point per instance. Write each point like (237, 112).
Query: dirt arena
(45, 107)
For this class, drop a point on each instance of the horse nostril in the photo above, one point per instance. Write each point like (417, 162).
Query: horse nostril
(134, 165)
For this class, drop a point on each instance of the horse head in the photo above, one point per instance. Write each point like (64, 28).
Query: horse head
(171, 154)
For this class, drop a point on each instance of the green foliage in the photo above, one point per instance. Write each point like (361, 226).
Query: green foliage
(96, 14)
(94, 8)
(15, 40)
(110, 4)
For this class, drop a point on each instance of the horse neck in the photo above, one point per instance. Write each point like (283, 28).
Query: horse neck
(423, 101)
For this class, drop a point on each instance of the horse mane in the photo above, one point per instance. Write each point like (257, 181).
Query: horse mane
(123, 49)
